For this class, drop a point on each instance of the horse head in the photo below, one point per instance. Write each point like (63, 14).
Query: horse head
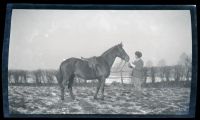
(120, 52)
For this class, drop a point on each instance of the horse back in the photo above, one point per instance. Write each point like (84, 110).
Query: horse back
(82, 69)
(99, 69)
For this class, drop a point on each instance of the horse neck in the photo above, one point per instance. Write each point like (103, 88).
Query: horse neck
(109, 57)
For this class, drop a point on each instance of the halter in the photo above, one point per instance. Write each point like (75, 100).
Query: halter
(121, 54)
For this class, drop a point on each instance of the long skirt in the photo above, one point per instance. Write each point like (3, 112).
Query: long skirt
(136, 83)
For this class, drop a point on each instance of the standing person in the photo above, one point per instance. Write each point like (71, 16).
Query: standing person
(137, 73)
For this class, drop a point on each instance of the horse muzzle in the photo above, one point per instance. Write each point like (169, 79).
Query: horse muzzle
(127, 58)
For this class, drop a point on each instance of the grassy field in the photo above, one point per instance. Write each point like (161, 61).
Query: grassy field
(118, 100)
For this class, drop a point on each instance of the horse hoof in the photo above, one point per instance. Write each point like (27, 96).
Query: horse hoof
(102, 98)
(62, 98)
(73, 98)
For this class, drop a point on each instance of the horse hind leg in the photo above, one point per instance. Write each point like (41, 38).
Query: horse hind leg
(62, 89)
(63, 83)
(71, 80)
(61, 86)
(62, 92)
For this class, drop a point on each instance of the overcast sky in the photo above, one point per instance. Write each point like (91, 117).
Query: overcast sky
(43, 38)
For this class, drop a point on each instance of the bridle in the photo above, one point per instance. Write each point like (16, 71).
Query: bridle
(121, 54)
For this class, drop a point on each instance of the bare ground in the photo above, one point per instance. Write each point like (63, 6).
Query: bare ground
(118, 100)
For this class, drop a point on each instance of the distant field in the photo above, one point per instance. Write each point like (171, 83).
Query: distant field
(118, 100)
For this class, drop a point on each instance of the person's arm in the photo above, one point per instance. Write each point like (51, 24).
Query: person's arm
(131, 65)
(134, 62)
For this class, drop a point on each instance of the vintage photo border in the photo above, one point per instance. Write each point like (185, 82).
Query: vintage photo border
(192, 8)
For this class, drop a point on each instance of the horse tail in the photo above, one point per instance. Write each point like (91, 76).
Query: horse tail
(72, 75)
(59, 77)
(71, 66)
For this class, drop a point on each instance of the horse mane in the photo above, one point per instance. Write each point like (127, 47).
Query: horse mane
(108, 51)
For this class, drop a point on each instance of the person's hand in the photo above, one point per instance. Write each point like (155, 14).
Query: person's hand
(129, 65)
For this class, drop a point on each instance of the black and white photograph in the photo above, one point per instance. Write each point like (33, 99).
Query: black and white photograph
(127, 62)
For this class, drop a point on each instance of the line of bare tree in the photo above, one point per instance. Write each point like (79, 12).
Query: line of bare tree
(174, 74)
(180, 72)
(37, 77)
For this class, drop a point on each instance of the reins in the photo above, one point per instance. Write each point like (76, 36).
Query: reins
(120, 65)
(123, 66)
(121, 70)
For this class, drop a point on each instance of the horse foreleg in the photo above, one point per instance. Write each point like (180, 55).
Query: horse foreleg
(102, 90)
(97, 90)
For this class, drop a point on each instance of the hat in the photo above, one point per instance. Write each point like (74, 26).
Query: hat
(138, 54)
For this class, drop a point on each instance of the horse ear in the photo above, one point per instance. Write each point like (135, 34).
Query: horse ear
(121, 44)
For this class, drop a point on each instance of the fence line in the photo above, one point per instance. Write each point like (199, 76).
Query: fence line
(120, 76)
(46, 76)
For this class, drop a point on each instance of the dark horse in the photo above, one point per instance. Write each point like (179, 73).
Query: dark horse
(75, 67)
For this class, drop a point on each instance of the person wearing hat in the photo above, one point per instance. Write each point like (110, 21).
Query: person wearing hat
(137, 73)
